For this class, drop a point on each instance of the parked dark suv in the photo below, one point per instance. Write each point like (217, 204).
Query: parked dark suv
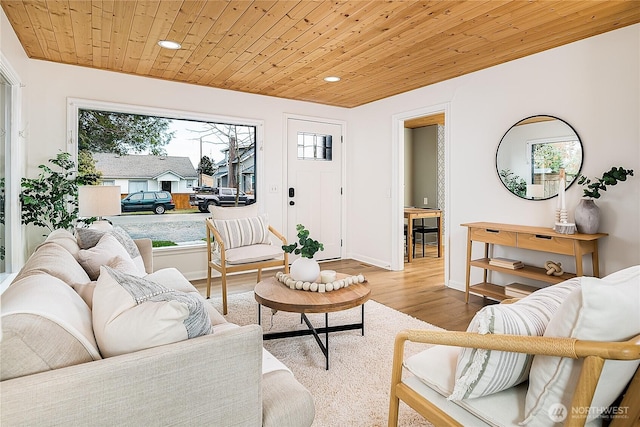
(156, 201)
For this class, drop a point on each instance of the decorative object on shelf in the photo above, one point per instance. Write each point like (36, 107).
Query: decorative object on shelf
(314, 286)
(305, 268)
(562, 226)
(518, 290)
(553, 268)
(587, 216)
(513, 264)
(587, 213)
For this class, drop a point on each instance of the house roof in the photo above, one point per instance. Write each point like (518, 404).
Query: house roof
(139, 166)
(286, 48)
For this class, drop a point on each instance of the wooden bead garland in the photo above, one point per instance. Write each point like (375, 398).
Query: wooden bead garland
(318, 287)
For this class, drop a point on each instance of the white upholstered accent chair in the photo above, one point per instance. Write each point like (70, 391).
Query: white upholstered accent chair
(239, 239)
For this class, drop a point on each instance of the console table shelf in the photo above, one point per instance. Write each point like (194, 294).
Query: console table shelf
(525, 237)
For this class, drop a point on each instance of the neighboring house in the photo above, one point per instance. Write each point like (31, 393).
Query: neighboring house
(247, 171)
(135, 172)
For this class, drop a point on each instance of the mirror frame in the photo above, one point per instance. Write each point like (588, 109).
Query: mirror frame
(532, 119)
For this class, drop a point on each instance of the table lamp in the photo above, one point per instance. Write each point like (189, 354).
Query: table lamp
(98, 201)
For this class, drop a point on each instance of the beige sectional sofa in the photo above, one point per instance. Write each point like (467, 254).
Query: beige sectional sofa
(54, 371)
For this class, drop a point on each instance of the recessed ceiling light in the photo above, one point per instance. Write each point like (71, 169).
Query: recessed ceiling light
(168, 44)
(332, 79)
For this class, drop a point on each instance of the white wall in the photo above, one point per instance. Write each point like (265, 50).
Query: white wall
(593, 84)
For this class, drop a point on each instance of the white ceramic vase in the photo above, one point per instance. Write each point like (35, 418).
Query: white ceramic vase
(587, 216)
(305, 269)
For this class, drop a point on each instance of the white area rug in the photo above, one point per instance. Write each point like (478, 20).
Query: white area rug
(355, 389)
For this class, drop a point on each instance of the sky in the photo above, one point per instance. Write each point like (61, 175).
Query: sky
(186, 143)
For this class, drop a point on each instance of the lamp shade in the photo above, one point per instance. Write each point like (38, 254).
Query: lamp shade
(98, 200)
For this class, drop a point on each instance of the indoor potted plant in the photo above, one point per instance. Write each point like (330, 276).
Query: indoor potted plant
(587, 214)
(304, 268)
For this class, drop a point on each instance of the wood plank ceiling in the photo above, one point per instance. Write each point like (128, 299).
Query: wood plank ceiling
(286, 48)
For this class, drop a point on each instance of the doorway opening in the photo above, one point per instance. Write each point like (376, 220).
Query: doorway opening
(424, 184)
(422, 180)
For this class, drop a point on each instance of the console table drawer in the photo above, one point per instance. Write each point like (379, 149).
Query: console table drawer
(489, 235)
(538, 242)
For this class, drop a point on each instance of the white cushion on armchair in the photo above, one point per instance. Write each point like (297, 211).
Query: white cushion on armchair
(254, 253)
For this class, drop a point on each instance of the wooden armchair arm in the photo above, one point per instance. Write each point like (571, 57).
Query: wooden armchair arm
(278, 235)
(549, 346)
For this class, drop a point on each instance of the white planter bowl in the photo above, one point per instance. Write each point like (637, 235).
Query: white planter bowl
(305, 269)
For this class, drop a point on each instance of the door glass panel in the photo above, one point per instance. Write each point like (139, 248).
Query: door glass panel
(313, 146)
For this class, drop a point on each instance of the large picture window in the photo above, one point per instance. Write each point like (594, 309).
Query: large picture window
(153, 152)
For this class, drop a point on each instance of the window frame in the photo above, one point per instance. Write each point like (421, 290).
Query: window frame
(13, 171)
(76, 104)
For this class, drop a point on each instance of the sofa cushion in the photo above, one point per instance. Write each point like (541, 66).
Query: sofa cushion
(51, 258)
(240, 232)
(65, 239)
(89, 237)
(107, 249)
(45, 325)
(131, 313)
(480, 372)
(436, 367)
(605, 309)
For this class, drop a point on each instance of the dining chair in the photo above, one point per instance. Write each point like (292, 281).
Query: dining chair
(423, 230)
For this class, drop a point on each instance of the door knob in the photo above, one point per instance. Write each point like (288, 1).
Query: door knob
(291, 203)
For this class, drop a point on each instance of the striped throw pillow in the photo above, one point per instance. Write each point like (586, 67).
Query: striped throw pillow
(480, 372)
(243, 231)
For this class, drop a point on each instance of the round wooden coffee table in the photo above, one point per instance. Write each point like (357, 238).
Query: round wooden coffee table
(275, 295)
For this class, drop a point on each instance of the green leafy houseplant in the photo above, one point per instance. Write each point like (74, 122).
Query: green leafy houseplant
(611, 177)
(308, 247)
(51, 199)
(514, 183)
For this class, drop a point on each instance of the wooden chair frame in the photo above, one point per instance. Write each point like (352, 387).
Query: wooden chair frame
(223, 268)
(594, 354)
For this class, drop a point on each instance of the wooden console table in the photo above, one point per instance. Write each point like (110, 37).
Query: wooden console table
(525, 237)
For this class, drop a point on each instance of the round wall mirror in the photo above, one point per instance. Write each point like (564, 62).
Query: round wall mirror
(532, 153)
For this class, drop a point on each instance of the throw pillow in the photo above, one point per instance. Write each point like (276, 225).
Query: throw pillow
(131, 313)
(480, 372)
(605, 309)
(89, 237)
(107, 249)
(119, 263)
(243, 231)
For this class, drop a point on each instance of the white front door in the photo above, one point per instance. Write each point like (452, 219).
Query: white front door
(314, 183)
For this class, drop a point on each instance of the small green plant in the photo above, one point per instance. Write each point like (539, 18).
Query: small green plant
(514, 183)
(593, 188)
(51, 199)
(308, 247)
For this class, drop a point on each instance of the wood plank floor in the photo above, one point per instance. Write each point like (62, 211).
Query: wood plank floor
(418, 290)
